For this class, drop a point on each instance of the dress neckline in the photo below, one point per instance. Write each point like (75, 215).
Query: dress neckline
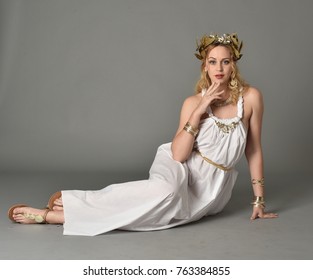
(237, 118)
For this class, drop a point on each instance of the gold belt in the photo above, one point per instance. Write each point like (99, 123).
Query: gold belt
(220, 166)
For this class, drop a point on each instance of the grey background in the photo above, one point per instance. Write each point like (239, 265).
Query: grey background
(98, 85)
(89, 90)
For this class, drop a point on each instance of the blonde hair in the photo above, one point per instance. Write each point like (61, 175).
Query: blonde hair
(236, 84)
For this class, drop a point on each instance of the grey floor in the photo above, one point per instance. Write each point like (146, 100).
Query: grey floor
(229, 235)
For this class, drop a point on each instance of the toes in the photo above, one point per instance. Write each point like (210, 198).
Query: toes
(57, 208)
(18, 218)
(58, 202)
(18, 210)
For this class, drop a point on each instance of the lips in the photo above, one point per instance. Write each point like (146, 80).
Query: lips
(219, 76)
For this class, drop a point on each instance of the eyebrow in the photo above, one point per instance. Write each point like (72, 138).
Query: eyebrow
(215, 58)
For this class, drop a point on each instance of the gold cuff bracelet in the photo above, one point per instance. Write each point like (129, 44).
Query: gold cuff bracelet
(190, 129)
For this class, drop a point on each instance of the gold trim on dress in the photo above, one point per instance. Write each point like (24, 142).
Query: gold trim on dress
(220, 166)
(226, 128)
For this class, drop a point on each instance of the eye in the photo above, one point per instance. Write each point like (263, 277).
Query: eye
(212, 62)
(226, 62)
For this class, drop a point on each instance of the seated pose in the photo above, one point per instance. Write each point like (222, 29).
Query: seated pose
(192, 176)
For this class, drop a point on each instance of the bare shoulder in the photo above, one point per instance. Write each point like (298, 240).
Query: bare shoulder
(191, 102)
(253, 97)
(253, 104)
(192, 99)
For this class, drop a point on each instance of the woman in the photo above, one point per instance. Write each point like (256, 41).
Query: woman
(191, 177)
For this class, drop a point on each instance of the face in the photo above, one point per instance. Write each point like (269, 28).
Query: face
(218, 65)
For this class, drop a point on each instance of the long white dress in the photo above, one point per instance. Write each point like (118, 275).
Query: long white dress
(175, 193)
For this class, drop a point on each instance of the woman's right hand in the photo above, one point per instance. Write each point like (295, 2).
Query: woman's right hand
(212, 93)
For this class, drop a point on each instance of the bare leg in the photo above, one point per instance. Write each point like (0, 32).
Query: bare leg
(21, 215)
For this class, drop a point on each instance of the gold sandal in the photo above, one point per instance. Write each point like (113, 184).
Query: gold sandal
(39, 219)
(52, 198)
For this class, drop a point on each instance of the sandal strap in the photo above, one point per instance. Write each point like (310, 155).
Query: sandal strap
(45, 215)
(40, 219)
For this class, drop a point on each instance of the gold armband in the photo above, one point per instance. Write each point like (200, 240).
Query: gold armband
(259, 182)
(190, 129)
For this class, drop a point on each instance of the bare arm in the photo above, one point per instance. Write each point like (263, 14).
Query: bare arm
(192, 110)
(182, 143)
(253, 150)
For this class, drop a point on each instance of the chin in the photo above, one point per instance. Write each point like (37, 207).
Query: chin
(221, 81)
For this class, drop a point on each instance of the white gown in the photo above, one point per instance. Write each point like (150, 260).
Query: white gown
(174, 194)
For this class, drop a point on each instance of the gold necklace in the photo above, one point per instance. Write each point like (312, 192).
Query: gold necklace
(223, 103)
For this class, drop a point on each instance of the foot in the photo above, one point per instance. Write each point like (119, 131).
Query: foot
(58, 204)
(55, 202)
(28, 215)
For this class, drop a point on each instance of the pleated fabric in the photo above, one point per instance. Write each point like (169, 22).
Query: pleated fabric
(174, 194)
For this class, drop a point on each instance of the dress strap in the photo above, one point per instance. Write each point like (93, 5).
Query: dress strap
(203, 92)
(240, 107)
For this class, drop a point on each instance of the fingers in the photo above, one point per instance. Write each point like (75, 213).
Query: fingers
(269, 215)
(262, 215)
(254, 216)
(218, 94)
(212, 88)
(212, 92)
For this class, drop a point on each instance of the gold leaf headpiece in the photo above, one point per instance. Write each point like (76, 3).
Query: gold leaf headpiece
(225, 39)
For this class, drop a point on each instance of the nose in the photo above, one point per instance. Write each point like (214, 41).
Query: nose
(220, 67)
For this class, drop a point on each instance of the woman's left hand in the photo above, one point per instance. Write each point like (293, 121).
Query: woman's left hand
(258, 212)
